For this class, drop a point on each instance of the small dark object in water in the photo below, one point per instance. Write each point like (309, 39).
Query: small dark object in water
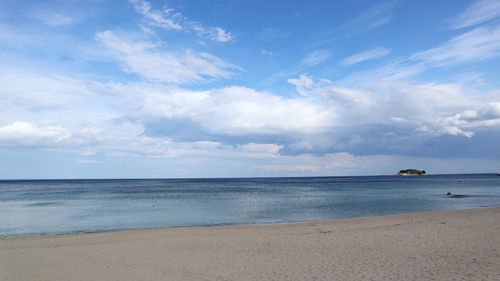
(451, 195)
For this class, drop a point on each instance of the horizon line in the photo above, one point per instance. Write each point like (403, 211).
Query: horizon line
(250, 177)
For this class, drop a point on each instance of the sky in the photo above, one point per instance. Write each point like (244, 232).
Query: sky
(232, 88)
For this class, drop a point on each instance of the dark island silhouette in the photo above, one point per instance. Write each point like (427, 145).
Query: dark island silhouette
(411, 172)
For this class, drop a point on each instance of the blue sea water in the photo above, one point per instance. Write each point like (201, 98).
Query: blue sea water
(37, 207)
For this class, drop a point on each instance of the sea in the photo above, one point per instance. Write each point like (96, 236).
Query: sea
(43, 207)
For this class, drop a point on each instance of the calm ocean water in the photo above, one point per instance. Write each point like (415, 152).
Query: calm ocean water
(71, 206)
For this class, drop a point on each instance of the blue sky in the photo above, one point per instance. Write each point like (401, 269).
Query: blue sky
(112, 89)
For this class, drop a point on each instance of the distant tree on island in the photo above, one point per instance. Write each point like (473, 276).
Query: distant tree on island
(411, 172)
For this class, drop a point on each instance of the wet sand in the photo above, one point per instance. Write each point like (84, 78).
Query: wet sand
(454, 245)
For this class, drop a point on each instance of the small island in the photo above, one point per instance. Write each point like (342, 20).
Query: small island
(411, 172)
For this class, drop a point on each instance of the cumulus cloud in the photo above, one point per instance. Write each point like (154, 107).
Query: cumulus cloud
(325, 118)
(326, 130)
(169, 19)
(428, 109)
(89, 117)
(151, 62)
(26, 133)
(478, 12)
(109, 138)
(327, 91)
(55, 100)
(371, 54)
(128, 139)
(231, 110)
(326, 127)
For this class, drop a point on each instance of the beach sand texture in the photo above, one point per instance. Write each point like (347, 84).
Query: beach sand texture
(455, 245)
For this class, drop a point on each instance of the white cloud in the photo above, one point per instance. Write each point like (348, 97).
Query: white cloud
(274, 132)
(311, 59)
(371, 54)
(111, 138)
(328, 92)
(169, 19)
(212, 33)
(94, 120)
(56, 20)
(91, 117)
(476, 45)
(430, 108)
(266, 52)
(261, 148)
(55, 100)
(127, 139)
(29, 134)
(303, 84)
(87, 116)
(166, 18)
(315, 58)
(373, 17)
(148, 60)
(229, 111)
(480, 11)
(146, 30)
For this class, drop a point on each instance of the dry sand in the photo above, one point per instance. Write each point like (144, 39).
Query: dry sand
(456, 245)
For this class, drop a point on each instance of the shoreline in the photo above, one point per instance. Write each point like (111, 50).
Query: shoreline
(449, 245)
(243, 225)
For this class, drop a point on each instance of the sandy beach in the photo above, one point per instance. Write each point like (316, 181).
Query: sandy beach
(454, 245)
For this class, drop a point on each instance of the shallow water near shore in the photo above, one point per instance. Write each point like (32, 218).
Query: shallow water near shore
(38, 207)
